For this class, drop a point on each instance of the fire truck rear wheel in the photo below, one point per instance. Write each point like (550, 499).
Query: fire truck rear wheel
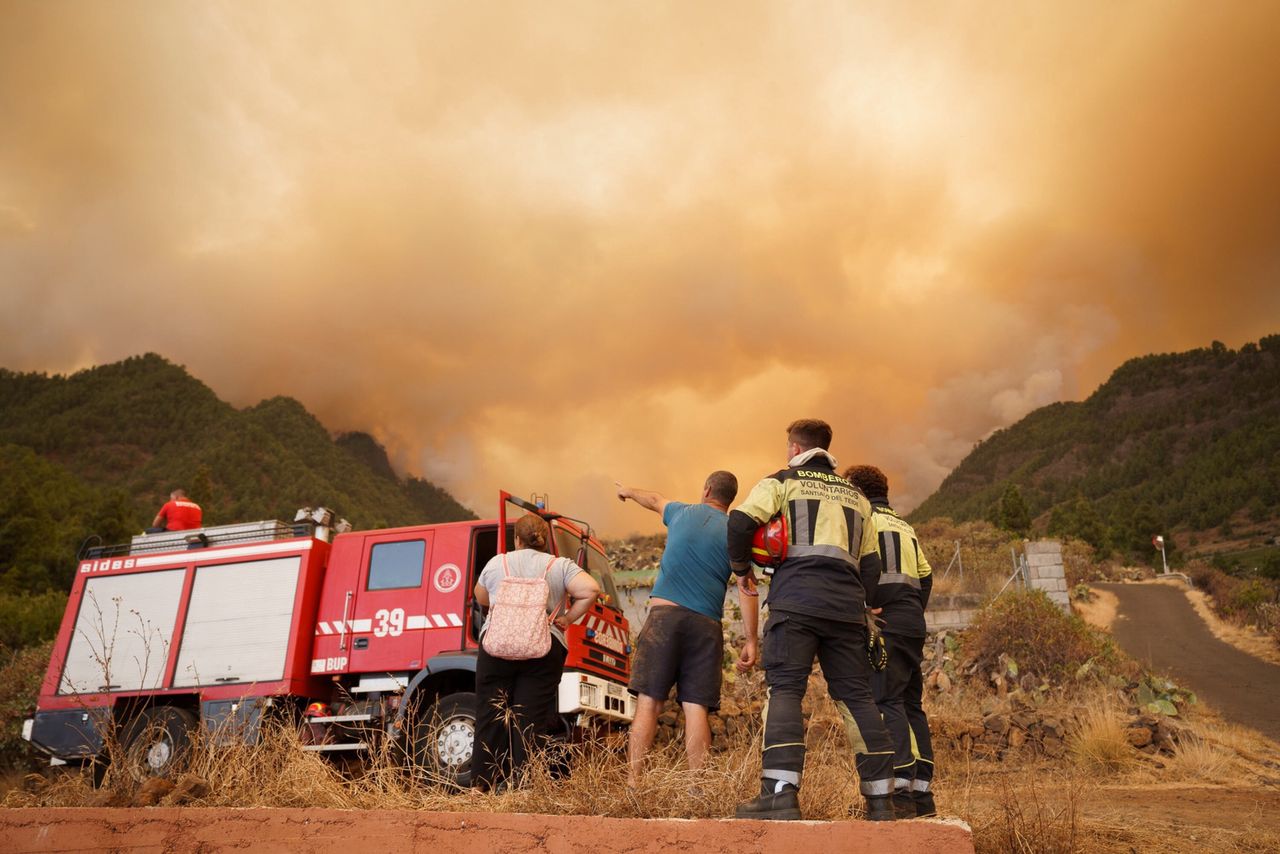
(444, 738)
(158, 740)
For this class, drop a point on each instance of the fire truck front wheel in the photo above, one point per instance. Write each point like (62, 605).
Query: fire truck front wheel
(444, 737)
(158, 740)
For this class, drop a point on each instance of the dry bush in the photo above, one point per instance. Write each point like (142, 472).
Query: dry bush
(1028, 807)
(1079, 561)
(224, 771)
(274, 772)
(1100, 745)
(1039, 636)
(1270, 620)
(984, 552)
(1200, 761)
(1242, 600)
(980, 586)
(1028, 821)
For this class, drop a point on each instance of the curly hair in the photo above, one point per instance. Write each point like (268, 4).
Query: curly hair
(869, 479)
(533, 531)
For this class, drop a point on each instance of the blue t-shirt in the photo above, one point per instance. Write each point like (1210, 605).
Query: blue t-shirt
(695, 567)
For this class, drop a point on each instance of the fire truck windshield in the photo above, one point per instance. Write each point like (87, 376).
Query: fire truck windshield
(567, 544)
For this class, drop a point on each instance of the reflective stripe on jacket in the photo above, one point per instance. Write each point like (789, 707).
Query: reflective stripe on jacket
(831, 552)
(907, 578)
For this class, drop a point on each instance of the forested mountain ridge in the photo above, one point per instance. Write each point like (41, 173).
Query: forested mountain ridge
(1171, 442)
(96, 453)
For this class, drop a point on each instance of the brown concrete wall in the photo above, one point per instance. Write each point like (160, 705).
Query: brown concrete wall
(317, 831)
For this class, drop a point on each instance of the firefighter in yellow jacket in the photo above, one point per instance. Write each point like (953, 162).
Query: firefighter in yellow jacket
(817, 608)
(902, 596)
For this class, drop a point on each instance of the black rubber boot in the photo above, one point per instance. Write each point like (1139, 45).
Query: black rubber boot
(880, 809)
(904, 805)
(924, 804)
(771, 805)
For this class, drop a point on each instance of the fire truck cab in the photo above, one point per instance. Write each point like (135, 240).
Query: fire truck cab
(363, 635)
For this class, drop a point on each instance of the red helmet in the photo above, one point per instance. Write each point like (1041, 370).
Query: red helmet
(769, 543)
(316, 710)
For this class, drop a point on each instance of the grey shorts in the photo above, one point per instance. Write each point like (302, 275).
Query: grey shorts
(679, 647)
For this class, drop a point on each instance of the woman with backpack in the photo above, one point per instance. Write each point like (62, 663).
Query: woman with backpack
(522, 649)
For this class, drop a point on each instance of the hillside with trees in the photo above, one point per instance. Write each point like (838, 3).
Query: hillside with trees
(97, 452)
(1183, 443)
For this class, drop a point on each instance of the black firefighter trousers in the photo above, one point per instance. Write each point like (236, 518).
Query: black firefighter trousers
(791, 642)
(898, 690)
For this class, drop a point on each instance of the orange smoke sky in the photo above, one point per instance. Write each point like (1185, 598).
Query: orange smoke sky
(547, 246)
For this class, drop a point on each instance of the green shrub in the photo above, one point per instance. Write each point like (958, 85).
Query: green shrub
(27, 619)
(1037, 634)
(1248, 595)
(1159, 696)
(1082, 593)
(21, 673)
(1245, 600)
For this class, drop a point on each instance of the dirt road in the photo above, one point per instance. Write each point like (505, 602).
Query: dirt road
(1157, 625)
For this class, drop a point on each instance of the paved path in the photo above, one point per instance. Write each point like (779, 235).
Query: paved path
(1157, 625)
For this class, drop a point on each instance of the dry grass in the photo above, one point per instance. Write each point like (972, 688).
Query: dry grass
(1014, 807)
(1247, 639)
(1019, 805)
(1100, 746)
(276, 773)
(1247, 743)
(1200, 761)
(984, 552)
(981, 585)
(1026, 821)
(1100, 610)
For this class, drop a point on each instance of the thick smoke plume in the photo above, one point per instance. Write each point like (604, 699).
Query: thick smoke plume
(547, 246)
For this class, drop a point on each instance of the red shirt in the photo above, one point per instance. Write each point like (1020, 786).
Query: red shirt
(181, 515)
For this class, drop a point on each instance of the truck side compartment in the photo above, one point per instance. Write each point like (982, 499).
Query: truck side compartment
(182, 629)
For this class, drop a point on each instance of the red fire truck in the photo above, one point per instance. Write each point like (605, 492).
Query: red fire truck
(370, 634)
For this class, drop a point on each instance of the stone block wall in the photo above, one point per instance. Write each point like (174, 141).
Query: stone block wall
(951, 612)
(1045, 571)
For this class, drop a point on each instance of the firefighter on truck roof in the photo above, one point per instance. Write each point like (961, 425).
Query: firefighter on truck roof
(817, 608)
(178, 514)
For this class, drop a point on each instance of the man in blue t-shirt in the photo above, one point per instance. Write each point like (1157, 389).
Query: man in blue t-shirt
(682, 643)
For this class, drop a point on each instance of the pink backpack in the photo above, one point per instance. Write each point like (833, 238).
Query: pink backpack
(519, 627)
